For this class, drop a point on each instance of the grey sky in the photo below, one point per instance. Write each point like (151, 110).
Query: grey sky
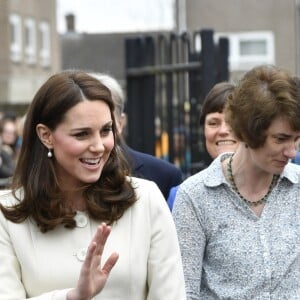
(117, 15)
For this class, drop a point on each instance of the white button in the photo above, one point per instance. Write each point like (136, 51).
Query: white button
(81, 253)
(81, 220)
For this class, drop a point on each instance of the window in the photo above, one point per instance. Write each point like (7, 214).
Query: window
(253, 47)
(247, 49)
(15, 23)
(30, 41)
(45, 54)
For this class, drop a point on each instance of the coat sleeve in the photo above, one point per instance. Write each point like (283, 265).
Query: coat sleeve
(11, 287)
(165, 273)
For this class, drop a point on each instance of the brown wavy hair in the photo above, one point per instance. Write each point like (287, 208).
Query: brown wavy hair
(35, 184)
(263, 94)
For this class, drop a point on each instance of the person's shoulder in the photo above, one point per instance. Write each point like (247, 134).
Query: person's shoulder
(145, 156)
(151, 160)
(144, 186)
(138, 182)
(200, 176)
(195, 179)
(6, 198)
(292, 172)
(200, 181)
(146, 190)
(163, 173)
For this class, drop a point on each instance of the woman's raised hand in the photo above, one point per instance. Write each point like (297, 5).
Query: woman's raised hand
(93, 277)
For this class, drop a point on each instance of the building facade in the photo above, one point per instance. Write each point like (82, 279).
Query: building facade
(30, 49)
(259, 31)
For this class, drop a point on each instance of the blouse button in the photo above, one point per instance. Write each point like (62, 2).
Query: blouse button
(81, 220)
(81, 253)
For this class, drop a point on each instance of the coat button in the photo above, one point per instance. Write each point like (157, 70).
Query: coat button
(81, 253)
(81, 220)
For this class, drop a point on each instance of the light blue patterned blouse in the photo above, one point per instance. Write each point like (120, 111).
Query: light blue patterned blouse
(230, 253)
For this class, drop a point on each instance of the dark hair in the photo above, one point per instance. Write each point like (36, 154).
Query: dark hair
(264, 93)
(35, 184)
(215, 99)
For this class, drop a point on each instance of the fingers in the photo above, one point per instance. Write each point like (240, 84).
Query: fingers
(89, 255)
(96, 247)
(100, 238)
(97, 244)
(92, 277)
(110, 263)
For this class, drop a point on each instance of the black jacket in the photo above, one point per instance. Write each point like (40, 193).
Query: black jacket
(163, 173)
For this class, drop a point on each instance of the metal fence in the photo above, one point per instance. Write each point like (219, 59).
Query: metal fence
(167, 78)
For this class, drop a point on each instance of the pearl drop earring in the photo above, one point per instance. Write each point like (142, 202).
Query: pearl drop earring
(49, 153)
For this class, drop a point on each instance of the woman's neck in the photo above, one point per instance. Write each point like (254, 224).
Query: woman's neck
(75, 200)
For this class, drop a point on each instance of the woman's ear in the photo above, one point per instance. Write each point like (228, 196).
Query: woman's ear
(44, 134)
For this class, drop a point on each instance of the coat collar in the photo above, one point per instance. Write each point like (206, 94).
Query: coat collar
(215, 175)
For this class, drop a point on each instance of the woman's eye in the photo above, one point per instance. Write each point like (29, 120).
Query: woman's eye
(81, 134)
(213, 124)
(280, 139)
(106, 130)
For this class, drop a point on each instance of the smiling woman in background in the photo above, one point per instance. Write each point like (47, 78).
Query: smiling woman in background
(218, 135)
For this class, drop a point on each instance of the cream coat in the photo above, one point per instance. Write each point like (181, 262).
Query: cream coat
(41, 266)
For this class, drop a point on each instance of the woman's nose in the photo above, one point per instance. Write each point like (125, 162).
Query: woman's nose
(224, 128)
(97, 144)
(291, 151)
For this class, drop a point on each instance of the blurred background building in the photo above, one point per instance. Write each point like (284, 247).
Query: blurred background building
(259, 31)
(96, 52)
(29, 49)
